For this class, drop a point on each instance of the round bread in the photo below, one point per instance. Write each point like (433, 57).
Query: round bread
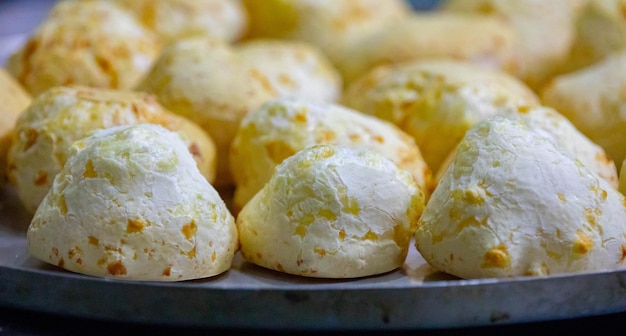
(550, 124)
(280, 128)
(130, 203)
(295, 69)
(600, 32)
(331, 25)
(436, 101)
(173, 20)
(593, 99)
(14, 100)
(92, 43)
(475, 38)
(204, 80)
(513, 204)
(544, 32)
(61, 115)
(332, 212)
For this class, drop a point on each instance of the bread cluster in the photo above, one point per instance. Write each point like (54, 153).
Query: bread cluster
(157, 140)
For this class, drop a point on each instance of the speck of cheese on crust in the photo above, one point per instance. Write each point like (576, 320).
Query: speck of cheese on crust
(332, 212)
(513, 204)
(130, 203)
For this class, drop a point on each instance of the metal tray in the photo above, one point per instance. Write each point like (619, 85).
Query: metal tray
(247, 296)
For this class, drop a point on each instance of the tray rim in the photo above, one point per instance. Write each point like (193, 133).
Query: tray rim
(465, 303)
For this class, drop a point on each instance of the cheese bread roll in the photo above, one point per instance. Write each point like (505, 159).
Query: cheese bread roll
(331, 25)
(332, 212)
(476, 38)
(280, 128)
(92, 43)
(14, 99)
(513, 204)
(550, 124)
(436, 101)
(544, 32)
(594, 99)
(294, 68)
(204, 80)
(600, 32)
(61, 115)
(130, 203)
(172, 20)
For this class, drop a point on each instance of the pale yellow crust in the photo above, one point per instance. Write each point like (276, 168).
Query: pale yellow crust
(295, 69)
(173, 20)
(204, 80)
(475, 38)
(593, 99)
(131, 204)
(282, 127)
(332, 25)
(93, 43)
(600, 31)
(332, 212)
(436, 101)
(61, 115)
(544, 32)
(14, 101)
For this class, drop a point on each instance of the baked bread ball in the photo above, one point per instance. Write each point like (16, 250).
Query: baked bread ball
(91, 42)
(14, 100)
(332, 212)
(593, 99)
(331, 25)
(436, 101)
(544, 32)
(56, 118)
(550, 124)
(513, 204)
(172, 20)
(600, 31)
(295, 69)
(204, 80)
(131, 204)
(475, 38)
(282, 127)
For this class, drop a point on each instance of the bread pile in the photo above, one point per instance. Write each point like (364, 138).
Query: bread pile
(155, 140)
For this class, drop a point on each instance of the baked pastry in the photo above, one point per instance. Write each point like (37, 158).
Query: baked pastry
(475, 38)
(173, 20)
(131, 204)
(544, 32)
(332, 212)
(14, 100)
(295, 69)
(436, 101)
(600, 32)
(592, 99)
(513, 204)
(331, 25)
(204, 80)
(550, 124)
(56, 118)
(282, 127)
(90, 42)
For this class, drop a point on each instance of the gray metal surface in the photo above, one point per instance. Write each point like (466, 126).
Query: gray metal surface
(247, 296)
